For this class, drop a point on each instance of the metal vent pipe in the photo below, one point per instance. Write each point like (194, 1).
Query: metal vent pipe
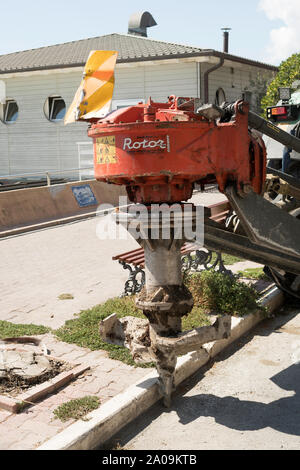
(226, 39)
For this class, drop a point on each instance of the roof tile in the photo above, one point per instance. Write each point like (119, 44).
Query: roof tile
(75, 53)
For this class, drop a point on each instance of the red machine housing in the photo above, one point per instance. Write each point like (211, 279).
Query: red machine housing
(159, 150)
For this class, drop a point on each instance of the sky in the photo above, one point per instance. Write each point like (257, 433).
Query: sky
(264, 30)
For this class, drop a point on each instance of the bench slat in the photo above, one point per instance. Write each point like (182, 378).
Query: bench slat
(122, 255)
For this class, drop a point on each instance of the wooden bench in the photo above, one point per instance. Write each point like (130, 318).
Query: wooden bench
(134, 260)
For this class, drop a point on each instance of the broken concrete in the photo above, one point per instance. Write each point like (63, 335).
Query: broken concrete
(131, 332)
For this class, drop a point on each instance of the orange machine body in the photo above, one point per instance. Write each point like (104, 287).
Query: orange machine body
(159, 150)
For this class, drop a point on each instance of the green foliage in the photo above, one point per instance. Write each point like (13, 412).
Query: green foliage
(222, 294)
(9, 330)
(289, 71)
(76, 409)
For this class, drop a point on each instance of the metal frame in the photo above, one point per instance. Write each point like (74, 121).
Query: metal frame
(54, 100)
(193, 263)
(6, 109)
(133, 285)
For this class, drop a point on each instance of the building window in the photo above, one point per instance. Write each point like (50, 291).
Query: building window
(10, 112)
(55, 108)
(220, 96)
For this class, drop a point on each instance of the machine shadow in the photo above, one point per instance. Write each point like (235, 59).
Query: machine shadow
(243, 412)
(282, 415)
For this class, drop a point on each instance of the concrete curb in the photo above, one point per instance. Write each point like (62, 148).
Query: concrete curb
(127, 406)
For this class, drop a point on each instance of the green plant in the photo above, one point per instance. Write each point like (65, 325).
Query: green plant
(8, 329)
(289, 71)
(76, 409)
(222, 294)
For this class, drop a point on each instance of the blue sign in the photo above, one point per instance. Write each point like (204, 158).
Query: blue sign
(84, 195)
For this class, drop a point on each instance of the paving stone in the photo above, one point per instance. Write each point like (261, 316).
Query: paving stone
(14, 422)
(8, 438)
(44, 428)
(26, 442)
(91, 388)
(73, 356)
(4, 415)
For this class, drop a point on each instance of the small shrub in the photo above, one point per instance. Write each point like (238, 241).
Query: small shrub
(222, 294)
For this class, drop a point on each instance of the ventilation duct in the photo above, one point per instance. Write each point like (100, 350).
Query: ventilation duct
(139, 22)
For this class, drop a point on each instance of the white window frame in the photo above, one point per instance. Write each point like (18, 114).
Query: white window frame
(55, 98)
(6, 108)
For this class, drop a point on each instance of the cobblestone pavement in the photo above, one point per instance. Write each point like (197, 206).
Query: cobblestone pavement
(36, 268)
(36, 424)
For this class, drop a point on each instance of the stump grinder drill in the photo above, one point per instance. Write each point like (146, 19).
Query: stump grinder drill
(159, 151)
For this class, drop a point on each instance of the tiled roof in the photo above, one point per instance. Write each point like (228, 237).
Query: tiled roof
(131, 48)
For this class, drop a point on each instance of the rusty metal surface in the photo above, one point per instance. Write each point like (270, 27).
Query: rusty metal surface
(158, 150)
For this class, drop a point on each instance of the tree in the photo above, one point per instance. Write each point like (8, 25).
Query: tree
(289, 72)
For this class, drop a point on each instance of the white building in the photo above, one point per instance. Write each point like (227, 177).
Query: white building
(40, 83)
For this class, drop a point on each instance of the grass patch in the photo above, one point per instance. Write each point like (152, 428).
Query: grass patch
(222, 294)
(9, 330)
(196, 318)
(76, 409)
(254, 273)
(228, 260)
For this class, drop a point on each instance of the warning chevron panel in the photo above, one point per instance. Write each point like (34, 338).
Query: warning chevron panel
(106, 150)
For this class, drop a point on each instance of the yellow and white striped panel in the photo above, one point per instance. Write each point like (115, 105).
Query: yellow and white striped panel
(93, 97)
